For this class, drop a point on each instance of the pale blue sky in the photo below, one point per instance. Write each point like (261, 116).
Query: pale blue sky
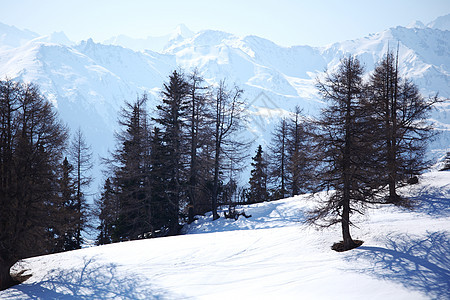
(286, 22)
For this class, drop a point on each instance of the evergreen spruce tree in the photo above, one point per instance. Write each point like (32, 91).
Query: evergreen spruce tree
(130, 167)
(65, 236)
(107, 213)
(159, 181)
(258, 180)
(172, 113)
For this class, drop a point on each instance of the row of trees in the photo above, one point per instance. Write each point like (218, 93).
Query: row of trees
(174, 165)
(288, 168)
(372, 136)
(42, 192)
(370, 139)
(183, 161)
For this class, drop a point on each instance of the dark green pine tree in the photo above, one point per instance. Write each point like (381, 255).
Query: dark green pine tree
(160, 205)
(107, 212)
(172, 118)
(66, 237)
(258, 179)
(131, 173)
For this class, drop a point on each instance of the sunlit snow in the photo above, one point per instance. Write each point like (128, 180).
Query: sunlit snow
(271, 255)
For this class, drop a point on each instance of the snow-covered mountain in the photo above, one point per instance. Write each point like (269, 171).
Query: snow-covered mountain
(271, 255)
(441, 23)
(154, 43)
(89, 81)
(11, 36)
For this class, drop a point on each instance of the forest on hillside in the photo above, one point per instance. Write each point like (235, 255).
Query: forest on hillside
(184, 159)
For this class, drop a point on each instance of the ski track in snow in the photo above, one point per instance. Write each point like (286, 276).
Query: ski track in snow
(271, 255)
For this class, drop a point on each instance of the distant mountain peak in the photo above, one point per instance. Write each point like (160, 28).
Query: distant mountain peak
(59, 38)
(11, 36)
(441, 23)
(183, 31)
(154, 43)
(416, 24)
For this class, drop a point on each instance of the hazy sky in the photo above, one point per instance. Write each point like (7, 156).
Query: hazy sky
(286, 22)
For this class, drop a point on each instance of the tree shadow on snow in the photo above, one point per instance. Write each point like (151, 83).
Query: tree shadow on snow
(420, 264)
(431, 200)
(91, 281)
(432, 204)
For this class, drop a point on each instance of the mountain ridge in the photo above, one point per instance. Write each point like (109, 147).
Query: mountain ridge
(89, 81)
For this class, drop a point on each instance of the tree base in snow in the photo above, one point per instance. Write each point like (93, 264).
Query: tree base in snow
(399, 201)
(21, 276)
(339, 247)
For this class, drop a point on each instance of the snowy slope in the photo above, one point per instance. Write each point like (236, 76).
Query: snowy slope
(271, 255)
(12, 37)
(441, 23)
(89, 81)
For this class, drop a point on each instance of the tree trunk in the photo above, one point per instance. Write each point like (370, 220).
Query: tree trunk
(348, 242)
(393, 197)
(6, 281)
(215, 191)
(218, 135)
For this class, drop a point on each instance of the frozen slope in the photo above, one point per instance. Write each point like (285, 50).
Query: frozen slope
(271, 255)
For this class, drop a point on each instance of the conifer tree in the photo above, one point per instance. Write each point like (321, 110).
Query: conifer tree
(227, 115)
(343, 149)
(258, 179)
(107, 212)
(198, 137)
(172, 119)
(159, 181)
(400, 113)
(32, 140)
(130, 168)
(278, 161)
(81, 156)
(299, 161)
(65, 236)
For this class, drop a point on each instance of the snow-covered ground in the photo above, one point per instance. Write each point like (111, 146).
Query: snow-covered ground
(271, 255)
